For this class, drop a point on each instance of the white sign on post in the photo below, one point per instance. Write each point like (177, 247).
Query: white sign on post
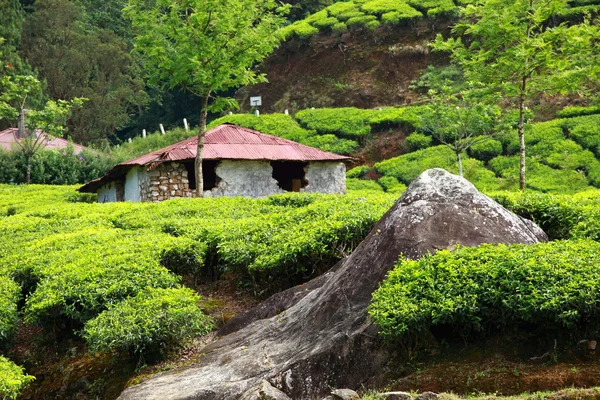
(255, 101)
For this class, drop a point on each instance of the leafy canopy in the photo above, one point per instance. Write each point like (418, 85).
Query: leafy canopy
(205, 45)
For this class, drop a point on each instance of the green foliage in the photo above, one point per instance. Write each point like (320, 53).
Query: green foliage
(362, 184)
(407, 167)
(152, 321)
(357, 172)
(76, 260)
(10, 294)
(347, 122)
(486, 150)
(556, 215)
(391, 184)
(57, 167)
(153, 141)
(171, 46)
(551, 286)
(362, 14)
(79, 59)
(542, 58)
(12, 379)
(575, 111)
(417, 141)
(436, 78)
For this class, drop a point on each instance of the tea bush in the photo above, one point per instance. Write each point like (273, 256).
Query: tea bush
(576, 111)
(357, 172)
(486, 150)
(12, 379)
(363, 184)
(417, 141)
(391, 185)
(10, 293)
(150, 322)
(552, 286)
(346, 122)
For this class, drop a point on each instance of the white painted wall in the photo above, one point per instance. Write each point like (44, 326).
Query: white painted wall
(107, 193)
(325, 177)
(245, 178)
(132, 185)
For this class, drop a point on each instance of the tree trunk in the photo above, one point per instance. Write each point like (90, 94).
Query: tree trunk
(521, 130)
(28, 170)
(460, 168)
(200, 147)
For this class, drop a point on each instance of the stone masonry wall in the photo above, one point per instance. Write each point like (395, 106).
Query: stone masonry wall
(167, 181)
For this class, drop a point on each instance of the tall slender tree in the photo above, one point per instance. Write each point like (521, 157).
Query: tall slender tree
(515, 48)
(205, 47)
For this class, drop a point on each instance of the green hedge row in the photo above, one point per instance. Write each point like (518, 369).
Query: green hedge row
(551, 286)
(367, 15)
(12, 379)
(74, 261)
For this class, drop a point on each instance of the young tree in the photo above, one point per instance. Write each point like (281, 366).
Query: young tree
(514, 48)
(41, 124)
(459, 123)
(205, 47)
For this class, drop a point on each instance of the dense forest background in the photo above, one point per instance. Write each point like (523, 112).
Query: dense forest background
(82, 48)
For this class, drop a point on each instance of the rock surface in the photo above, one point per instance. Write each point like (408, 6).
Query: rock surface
(324, 339)
(264, 391)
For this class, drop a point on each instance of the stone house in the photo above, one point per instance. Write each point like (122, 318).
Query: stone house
(236, 162)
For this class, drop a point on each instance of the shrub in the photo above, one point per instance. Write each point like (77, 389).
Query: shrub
(417, 141)
(10, 293)
(340, 27)
(341, 7)
(12, 379)
(361, 21)
(391, 184)
(358, 172)
(407, 167)
(575, 111)
(347, 122)
(555, 215)
(152, 321)
(325, 23)
(486, 150)
(363, 184)
(379, 7)
(552, 286)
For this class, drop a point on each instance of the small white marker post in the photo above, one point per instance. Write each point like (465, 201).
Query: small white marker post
(230, 113)
(185, 125)
(129, 140)
(286, 112)
(162, 128)
(144, 133)
(257, 113)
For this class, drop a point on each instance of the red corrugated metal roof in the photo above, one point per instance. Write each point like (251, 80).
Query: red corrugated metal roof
(232, 142)
(227, 142)
(8, 139)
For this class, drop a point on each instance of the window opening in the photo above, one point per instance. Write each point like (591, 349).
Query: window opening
(209, 174)
(290, 175)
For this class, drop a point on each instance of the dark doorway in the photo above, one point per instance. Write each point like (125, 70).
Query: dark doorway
(209, 174)
(289, 175)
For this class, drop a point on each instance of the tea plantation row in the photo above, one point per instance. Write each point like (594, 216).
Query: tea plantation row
(111, 273)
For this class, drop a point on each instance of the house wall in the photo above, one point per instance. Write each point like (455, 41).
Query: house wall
(235, 178)
(245, 178)
(166, 181)
(107, 193)
(325, 177)
(132, 184)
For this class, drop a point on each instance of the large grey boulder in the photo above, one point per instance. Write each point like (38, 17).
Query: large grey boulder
(321, 337)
